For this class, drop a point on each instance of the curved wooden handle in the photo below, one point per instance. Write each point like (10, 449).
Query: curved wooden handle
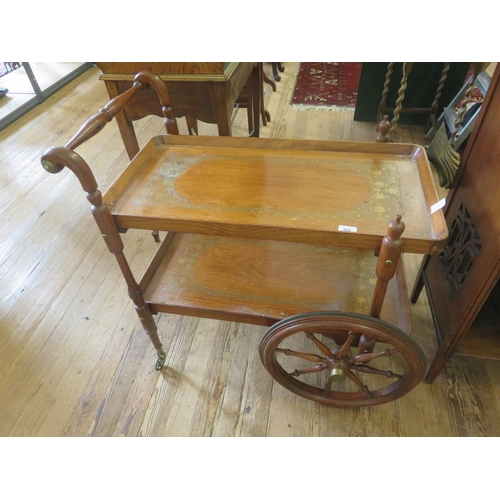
(150, 79)
(56, 158)
(142, 81)
(97, 122)
(161, 89)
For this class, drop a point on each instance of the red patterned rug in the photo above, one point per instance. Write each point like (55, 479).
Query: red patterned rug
(329, 85)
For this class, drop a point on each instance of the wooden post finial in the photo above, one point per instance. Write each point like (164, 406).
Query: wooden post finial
(383, 130)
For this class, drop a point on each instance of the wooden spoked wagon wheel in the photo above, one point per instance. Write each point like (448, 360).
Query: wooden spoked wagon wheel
(315, 355)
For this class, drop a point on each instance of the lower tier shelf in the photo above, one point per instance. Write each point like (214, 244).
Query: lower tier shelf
(262, 282)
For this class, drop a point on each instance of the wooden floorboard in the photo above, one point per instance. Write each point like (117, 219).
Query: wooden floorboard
(74, 360)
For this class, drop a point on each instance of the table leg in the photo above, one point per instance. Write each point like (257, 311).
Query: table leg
(277, 67)
(256, 97)
(128, 135)
(270, 82)
(407, 67)
(224, 124)
(192, 124)
(390, 253)
(249, 106)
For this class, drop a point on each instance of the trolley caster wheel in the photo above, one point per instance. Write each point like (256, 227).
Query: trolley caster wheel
(160, 361)
(303, 360)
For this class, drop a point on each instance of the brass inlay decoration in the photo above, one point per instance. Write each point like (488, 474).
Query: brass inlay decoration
(277, 186)
(339, 278)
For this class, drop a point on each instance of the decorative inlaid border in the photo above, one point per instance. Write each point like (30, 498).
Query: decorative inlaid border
(382, 176)
(184, 277)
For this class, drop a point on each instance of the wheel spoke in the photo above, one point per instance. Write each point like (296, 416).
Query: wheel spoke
(375, 371)
(314, 369)
(322, 347)
(336, 374)
(304, 355)
(364, 358)
(358, 382)
(347, 344)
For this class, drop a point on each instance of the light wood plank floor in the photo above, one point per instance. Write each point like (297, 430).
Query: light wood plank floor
(73, 358)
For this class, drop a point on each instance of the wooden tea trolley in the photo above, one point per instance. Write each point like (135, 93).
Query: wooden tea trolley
(282, 233)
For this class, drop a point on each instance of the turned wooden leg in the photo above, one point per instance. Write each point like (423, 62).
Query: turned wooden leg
(383, 130)
(431, 122)
(224, 123)
(390, 252)
(263, 113)
(277, 67)
(407, 67)
(249, 105)
(276, 75)
(111, 236)
(383, 101)
(142, 309)
(256, 98)
(270, 82)
(129, 138)
(109, 232)
(55, 159)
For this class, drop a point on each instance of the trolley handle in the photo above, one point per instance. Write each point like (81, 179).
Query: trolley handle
(56, 158)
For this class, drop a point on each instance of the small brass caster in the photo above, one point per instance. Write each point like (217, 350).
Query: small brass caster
(160, 361)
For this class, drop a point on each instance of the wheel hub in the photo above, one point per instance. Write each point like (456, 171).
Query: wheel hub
(338, 371)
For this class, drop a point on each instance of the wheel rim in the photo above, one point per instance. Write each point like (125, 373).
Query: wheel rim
(312, 365)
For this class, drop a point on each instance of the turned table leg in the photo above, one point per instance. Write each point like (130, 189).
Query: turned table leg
(390, 252)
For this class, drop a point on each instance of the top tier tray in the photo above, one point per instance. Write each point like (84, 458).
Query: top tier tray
(316, 192)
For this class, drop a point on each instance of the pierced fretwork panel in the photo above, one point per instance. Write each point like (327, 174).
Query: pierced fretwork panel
(462, 249)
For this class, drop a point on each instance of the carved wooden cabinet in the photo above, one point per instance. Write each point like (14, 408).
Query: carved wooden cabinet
(462, 283)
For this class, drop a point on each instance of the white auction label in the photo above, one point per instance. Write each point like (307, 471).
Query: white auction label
(348, 229)
(438, 205)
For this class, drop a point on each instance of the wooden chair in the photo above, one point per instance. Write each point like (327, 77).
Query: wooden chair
(389, 133)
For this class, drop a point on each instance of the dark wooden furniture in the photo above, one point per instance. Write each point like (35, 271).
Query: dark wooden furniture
(246, 99)
(420, 91)
(199, 91)
(462, 283)
(431, 110)
(277, 232)
(277, 69)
